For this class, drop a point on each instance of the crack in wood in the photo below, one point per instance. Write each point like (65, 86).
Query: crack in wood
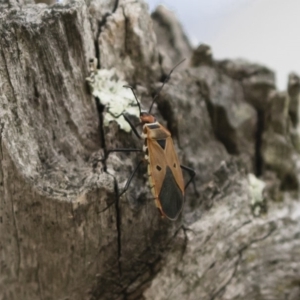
(223, 288)
(238, 228)
(126, 30)
(118, 224)
(240, 255)
(258, 143)
(17, 237)
(38, 279)
(101, 24)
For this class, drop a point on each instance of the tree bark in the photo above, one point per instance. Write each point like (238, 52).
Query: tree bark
(65, 231)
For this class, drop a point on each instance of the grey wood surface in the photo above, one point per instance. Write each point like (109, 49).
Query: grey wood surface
(65, 232)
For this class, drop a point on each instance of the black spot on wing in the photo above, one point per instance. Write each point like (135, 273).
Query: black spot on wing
(153, 126)
(162, 143)
(170, 196)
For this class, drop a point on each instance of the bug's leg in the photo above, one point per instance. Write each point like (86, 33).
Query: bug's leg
(132, 127)
(131, 176)
(130, 124)
(128, 150)
(130, 179)
(192, 174)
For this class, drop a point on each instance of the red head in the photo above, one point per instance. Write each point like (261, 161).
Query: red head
(147, 118)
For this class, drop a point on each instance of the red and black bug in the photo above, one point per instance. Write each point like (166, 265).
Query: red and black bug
(164, 169)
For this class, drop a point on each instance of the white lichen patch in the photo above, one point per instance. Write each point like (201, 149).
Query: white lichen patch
(258, 201)
(110, 90)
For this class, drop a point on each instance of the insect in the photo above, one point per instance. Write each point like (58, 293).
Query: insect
(164, 169)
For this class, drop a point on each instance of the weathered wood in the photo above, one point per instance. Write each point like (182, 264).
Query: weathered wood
(51, 221)
(65, 232)
(229, 254)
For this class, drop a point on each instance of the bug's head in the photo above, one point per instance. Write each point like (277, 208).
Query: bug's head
(147, 118)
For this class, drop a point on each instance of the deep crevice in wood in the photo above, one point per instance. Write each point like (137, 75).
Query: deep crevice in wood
(258, 143)
(101, 24)
(119, 229)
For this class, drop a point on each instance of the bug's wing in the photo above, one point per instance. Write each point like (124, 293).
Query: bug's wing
(173, 163)
(166, 176)
(157, 165)
(170, 197)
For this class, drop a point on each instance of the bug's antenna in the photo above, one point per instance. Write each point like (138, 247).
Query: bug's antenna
(137, 101)
(165, 81)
